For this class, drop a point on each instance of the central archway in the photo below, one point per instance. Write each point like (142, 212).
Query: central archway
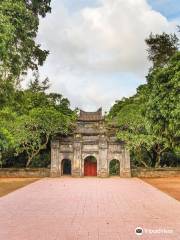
(66, 167)
(90, 166)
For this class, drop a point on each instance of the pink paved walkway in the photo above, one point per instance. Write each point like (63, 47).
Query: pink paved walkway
(88, 209)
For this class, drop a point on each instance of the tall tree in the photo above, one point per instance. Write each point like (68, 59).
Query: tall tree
(19, 21)
(32, 132)
(39, 7)
(149, 121)
(163, 105)
(134, 129)
(161, 47)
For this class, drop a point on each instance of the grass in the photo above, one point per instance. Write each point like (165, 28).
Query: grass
(8, 185)
(169, 185)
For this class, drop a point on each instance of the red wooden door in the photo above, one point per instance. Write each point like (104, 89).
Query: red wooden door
(90, 168)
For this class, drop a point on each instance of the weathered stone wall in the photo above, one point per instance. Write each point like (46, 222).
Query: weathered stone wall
(80, 147)
(151, 172)
(25, 173)
(44, 172)
(90, 138)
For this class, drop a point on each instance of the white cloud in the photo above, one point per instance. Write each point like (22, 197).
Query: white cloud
(105, 39)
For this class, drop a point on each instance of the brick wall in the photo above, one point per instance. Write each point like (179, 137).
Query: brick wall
(25, 172)
(151, 172)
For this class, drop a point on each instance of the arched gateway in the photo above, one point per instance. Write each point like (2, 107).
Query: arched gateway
(66, 167)
(114, 168)
(90, 166)
(91, 148)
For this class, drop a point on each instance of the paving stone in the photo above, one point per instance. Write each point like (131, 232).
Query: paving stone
(88, 209)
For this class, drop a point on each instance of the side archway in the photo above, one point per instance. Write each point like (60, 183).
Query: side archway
(90, 166)
(114, 167)
(66, 167)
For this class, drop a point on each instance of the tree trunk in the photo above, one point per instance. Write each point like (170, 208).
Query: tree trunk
(43, 146)
(158, 160)
(140, 158)
(1, 160)
(29, 161)
(154, 157)
(144, 163)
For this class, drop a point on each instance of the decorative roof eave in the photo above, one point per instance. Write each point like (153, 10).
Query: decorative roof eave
(91, 116)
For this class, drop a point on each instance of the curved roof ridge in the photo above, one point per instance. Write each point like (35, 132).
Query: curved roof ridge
(90, 116)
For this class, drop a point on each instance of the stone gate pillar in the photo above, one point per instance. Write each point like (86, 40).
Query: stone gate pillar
(103, 153)
(55, 158)
(125, 169)
(76, 167)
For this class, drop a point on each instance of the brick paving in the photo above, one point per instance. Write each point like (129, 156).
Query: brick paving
(88, 209)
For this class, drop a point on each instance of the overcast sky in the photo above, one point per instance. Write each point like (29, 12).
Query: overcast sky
(97, 50)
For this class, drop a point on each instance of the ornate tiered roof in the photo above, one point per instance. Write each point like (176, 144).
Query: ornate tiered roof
(91, 116)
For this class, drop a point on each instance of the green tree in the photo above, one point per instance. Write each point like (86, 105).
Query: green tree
(149, 121)
(19, 21)
(163, 105)
(37, 116)
(6, 137)
(132, 127)
(7, 92)
(32, 132)
(39, 7)
(161, 47)
(36, 96)
(135, 129)
(116, 108)
(30, 117)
